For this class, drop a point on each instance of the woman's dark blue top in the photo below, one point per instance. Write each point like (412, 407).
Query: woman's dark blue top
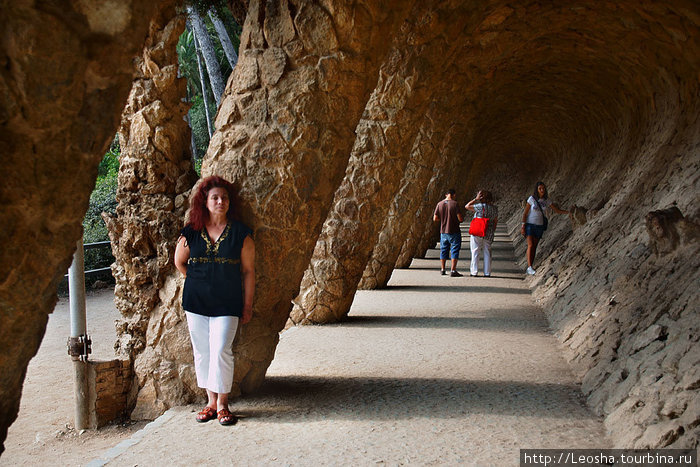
(213, 284)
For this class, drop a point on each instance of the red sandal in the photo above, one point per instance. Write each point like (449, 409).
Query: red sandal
(226, 418)
(206, 414)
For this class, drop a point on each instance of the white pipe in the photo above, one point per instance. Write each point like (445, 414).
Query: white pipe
(78, 328)
(76, 291)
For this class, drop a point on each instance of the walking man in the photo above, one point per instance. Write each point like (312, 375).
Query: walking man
(448, 213)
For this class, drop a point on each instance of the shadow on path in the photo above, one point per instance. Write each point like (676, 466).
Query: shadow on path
(507, 321)
(453, 288)
(358, 398)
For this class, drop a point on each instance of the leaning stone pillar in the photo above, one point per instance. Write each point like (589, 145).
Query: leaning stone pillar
(155, 173)
(342, 249)
(65, 75)
(427, 155)
(423, 227)
(285, 131)
(383, 146)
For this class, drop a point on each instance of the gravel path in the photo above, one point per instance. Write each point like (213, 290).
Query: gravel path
(433, 370)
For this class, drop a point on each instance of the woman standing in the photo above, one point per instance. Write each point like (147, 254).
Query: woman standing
(483, 206)
(533, 221)
(216, 254)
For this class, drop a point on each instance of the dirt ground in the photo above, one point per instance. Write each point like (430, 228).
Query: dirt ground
(44, 433)
(433, 370)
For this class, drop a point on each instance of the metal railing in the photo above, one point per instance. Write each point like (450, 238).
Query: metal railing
(95, 246)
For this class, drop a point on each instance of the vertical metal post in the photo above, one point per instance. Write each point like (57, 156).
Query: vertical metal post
(78, 333)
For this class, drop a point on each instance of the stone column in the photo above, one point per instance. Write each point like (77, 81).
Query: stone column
(285, 131)
(408, 82)
(155, 175)
(423, 229)
(65, 75)
(424, 158)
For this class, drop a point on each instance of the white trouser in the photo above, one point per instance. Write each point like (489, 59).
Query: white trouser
(479, 244)
(212, 340)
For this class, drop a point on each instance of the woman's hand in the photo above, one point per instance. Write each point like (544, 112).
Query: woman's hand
(470, 205)
(559, 210)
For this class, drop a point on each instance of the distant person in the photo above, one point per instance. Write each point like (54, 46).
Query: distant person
(216, 254)
(448, 213)
(534, 219)
(483, 206)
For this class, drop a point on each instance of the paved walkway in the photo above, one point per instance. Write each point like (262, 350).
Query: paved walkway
(433, 370)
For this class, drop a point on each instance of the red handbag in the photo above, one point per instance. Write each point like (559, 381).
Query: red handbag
(477, 226)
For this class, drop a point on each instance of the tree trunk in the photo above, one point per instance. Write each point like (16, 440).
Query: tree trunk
(224, 38)
(193, 146)
(209, 53)
(203, 83)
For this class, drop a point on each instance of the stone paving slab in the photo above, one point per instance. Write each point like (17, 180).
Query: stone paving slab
(433, 370)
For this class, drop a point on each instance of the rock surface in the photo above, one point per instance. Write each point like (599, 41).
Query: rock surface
(64, 77)
(155, 176)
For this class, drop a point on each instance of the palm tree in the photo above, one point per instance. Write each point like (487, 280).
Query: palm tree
(208, 53)
(224, 38)
(203, 82)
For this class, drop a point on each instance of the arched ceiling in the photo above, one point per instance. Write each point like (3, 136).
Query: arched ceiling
(563, 87)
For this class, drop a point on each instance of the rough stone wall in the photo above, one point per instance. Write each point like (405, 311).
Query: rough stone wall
(155, 176)
(65, 74)
(621, 292)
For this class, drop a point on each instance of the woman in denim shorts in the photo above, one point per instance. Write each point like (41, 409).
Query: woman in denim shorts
(533, 221)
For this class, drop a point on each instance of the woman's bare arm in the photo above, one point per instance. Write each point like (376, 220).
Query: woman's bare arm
(527, 211)
(558, 210)
(182, 254)
(248, 273)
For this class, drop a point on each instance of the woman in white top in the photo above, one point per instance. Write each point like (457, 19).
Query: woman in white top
(533, 221)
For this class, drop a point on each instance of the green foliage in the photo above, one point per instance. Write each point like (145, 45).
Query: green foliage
(187, 60)
(110, 161)
(102, 199)
(198, 123)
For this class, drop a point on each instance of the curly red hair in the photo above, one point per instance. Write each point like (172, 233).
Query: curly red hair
(199, 214)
